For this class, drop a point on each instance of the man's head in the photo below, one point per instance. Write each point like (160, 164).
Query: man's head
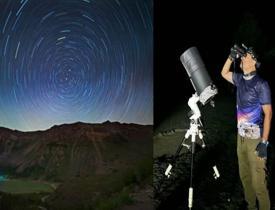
(248, 62)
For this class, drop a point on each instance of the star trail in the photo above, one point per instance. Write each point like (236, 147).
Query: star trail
(75, 60)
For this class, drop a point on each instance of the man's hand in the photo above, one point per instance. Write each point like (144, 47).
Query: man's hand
(233, 54)
(261, 150)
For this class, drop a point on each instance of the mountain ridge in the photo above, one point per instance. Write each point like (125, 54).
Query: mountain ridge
(73, 123)
(73, 150)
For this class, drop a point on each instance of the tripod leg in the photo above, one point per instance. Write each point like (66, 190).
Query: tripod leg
(190, 198)
(190, 195)
(181, 146)
(193, 147)
(169, 168)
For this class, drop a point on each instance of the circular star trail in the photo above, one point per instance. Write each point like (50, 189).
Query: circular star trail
(75, 60)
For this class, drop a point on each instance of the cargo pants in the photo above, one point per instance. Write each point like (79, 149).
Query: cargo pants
(253, 174)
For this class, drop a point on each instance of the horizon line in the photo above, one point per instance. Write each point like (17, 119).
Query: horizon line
(70, 123)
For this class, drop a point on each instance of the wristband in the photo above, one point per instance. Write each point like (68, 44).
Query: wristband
(265, 142)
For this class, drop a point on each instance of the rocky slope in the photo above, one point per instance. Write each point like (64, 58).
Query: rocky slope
(73, 150)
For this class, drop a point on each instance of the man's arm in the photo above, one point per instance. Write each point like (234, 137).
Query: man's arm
(261, 149)
(226, 73)
(267, 109)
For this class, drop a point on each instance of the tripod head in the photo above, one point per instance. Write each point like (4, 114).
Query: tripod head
(192, 103)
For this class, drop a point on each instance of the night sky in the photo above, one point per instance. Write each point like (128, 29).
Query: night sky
(75, 60)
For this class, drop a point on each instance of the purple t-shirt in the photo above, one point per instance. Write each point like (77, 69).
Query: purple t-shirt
(251, 95)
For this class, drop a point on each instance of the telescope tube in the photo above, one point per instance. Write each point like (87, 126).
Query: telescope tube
(198, 74)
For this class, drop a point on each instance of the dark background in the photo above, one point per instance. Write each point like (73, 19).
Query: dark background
(213, 29)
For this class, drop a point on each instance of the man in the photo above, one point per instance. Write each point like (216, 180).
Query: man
(254, 113)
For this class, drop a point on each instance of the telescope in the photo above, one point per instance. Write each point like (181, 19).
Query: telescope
(205, 90)
(198, 75)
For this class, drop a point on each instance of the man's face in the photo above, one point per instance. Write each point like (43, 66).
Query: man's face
(247, 62)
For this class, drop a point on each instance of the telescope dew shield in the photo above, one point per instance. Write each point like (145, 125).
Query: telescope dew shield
(198, 75)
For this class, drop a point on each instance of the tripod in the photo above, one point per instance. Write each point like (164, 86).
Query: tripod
(193, 131)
